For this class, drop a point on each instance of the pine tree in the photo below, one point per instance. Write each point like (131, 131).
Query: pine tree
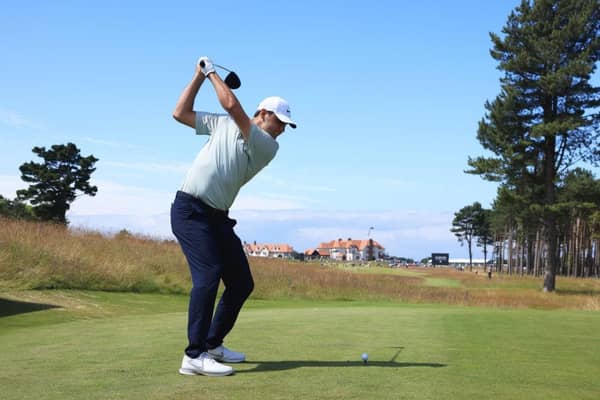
(483, 231)
(465, 226)
(546, 117)
(56, 182)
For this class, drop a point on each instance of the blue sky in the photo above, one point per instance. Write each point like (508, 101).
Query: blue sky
(387, 96)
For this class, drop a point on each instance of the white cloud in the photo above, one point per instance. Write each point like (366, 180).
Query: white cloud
(402, 233)
(289, 184)
(406, 234)
(396, 225)
(111, 143)
(271, 218)
(149, 167)
(113, 198)
(15, 120)
(253, 202)
(271, 201)
(9, 184)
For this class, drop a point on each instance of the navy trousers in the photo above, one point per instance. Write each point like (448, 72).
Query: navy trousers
(213, 252)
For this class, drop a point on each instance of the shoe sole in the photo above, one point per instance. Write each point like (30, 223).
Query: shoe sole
(226, 360)
(184, 371)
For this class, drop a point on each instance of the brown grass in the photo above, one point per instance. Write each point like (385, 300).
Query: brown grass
(44, 256)
(322, 281)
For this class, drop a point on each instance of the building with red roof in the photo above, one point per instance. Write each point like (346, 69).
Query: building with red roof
(348, 250)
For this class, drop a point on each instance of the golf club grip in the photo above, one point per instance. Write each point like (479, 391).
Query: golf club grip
(202, 63)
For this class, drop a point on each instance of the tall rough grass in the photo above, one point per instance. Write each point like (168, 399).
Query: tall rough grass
(313, 280)
(45, 256)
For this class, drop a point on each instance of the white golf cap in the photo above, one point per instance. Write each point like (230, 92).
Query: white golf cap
(280, 107)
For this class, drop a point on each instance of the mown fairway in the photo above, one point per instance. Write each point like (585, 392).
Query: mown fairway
(100, 345)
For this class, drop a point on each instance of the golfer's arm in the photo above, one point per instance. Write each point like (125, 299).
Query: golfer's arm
(231, 104)
(184, 110)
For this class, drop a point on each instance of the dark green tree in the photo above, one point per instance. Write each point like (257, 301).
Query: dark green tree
(580, 186)
(578, 201)
(15, 209)
(55, 183)
(483, 231)
(546, 117)
(465, 226)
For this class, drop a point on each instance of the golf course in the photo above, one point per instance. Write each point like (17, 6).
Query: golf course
(86, 316)
(300, 200)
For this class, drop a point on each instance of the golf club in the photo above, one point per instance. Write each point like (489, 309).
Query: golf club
(231, 80)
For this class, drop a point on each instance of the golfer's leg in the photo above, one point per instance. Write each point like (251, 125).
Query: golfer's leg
(238, 282)
(200, 311)
(200, 249)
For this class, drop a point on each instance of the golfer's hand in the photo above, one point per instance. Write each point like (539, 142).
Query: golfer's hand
(206, 65)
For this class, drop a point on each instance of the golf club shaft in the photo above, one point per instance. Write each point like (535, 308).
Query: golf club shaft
(216, 65)
(222, 67)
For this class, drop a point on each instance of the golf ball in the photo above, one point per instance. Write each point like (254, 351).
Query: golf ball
(365, 357)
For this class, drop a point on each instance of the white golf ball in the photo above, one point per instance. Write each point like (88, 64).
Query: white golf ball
(365, 357)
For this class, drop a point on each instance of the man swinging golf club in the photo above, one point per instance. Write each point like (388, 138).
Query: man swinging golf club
(238, 147)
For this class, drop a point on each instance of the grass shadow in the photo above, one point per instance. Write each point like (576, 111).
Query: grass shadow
(14, 307)
(264, 366)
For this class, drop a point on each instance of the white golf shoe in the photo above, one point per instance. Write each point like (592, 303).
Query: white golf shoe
(203, 365)
(223, 354)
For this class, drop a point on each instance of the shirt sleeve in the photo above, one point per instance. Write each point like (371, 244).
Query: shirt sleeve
(261, 145)
(207, 123)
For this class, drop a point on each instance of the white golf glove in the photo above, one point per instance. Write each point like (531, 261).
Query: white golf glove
(208, 67)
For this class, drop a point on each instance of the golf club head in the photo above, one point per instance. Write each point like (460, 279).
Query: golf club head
(232, 80)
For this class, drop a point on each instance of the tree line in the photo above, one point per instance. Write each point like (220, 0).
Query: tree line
(541, 129)
(512, 232)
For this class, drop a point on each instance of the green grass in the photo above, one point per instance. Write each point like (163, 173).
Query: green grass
(100, 345)
(440, 282)
(431, 333)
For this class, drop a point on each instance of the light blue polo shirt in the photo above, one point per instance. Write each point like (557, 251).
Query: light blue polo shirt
(227, 161)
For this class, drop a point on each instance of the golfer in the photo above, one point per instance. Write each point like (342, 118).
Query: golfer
(238, 147)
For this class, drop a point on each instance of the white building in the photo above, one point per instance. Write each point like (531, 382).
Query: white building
(352, 250)
(282, 250)
(464, 262)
